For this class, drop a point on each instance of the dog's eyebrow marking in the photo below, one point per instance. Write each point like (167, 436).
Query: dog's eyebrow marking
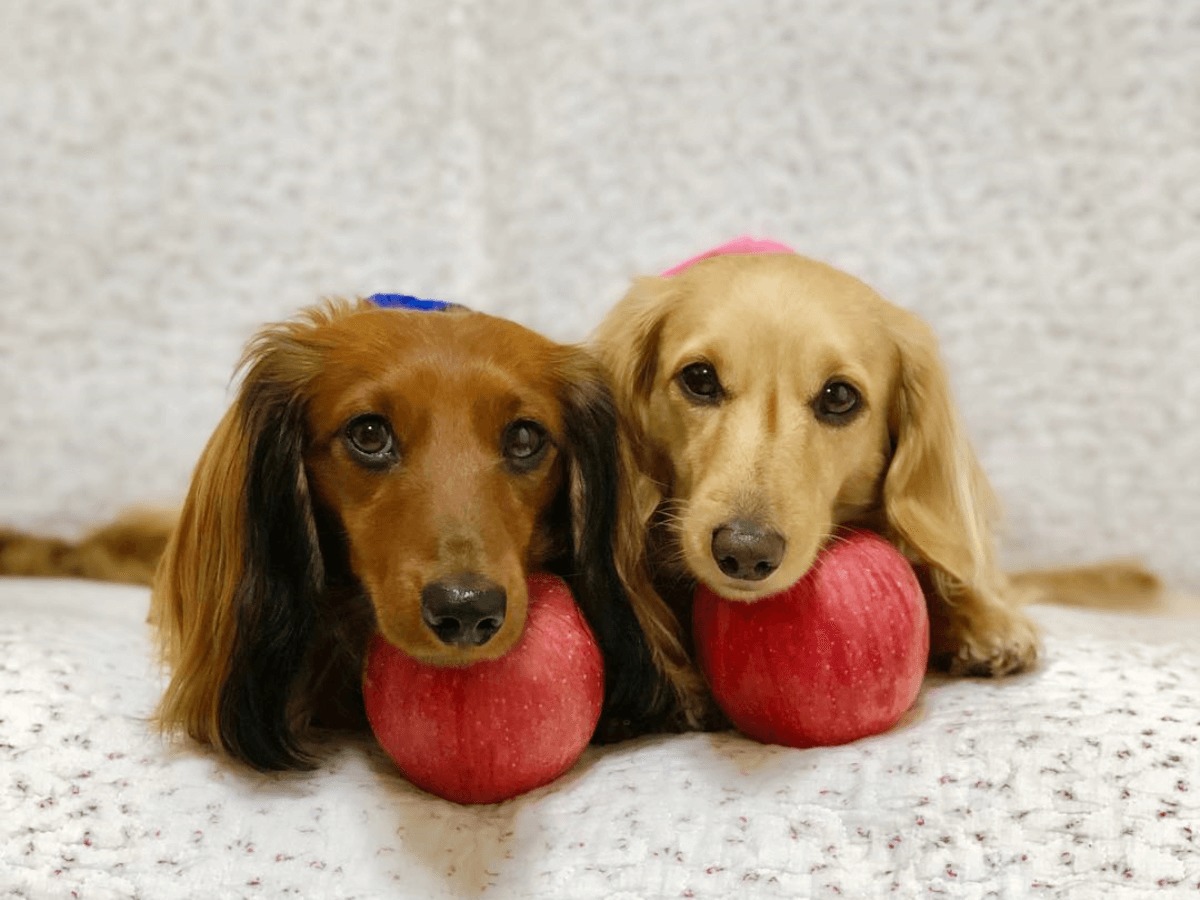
(771, 422)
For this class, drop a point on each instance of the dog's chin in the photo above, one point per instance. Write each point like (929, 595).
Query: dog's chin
(740, 591)
(420, 643)
(706, 572)
(747, 591)
(432, 652)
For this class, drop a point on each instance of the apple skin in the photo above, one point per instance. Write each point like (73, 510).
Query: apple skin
(838, 656)
(490, 731)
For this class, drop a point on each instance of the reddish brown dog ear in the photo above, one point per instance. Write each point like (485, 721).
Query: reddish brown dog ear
(634, 692)
(235, 597)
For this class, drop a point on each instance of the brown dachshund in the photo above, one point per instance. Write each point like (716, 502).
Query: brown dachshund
(392, 470)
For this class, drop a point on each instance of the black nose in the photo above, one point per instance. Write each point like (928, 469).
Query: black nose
(463, 610)
(747, 550)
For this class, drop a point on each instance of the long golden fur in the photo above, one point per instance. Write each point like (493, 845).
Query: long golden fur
(373, 460)
(768, 401)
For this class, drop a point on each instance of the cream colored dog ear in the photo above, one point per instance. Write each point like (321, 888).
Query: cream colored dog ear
(627, 345)
(940, 511)
(936, 498)
(628, 339)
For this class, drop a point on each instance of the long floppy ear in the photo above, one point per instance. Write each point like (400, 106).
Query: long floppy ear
(236, 593)
(627, 344)
(938, 503)
(633, 692)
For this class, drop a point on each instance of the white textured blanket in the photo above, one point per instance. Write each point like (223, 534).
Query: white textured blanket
(1081, 779)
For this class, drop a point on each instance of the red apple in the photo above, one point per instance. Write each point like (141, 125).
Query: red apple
(489, 731)
(836, 657)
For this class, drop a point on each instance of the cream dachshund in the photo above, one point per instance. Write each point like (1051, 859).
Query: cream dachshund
(768, 401)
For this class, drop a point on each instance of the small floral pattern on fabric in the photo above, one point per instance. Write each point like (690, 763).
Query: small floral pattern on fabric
(1080, 780)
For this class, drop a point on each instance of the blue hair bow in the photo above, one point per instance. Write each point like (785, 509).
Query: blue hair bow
(405, 301)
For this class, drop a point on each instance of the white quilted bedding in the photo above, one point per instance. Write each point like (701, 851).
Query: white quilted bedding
(1080, 780)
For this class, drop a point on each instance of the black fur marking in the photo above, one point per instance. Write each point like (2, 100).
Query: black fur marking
(281, 584)
(633, 689)
(345, 622)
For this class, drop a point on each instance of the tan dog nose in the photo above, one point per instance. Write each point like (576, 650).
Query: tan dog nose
(747, 550)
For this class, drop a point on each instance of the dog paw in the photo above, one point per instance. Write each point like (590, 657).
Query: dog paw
(998, 642)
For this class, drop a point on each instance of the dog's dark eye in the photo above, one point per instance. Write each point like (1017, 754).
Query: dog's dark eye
(371, 441)
(524, 443)
(838, 402)
(700, 384)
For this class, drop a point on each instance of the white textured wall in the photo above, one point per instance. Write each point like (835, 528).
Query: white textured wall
(1026, 175)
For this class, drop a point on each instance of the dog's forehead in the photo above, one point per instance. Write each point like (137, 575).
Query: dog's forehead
(441, 360)
(454, 341)
(776, 308)
(795, 289)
